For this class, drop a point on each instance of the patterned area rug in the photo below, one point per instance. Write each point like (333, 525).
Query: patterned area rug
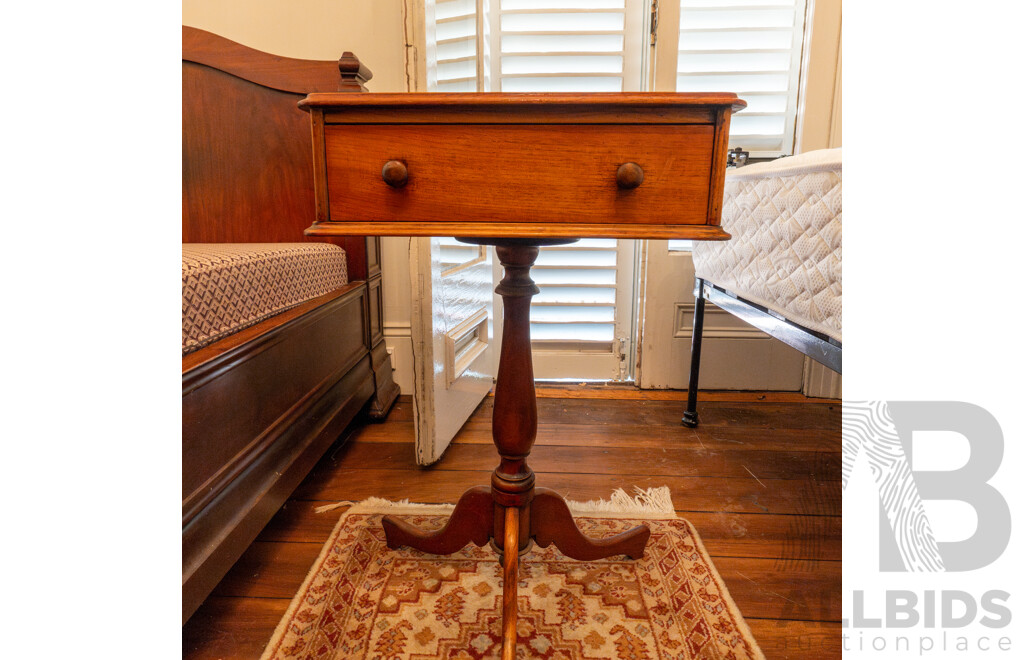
(362, 600)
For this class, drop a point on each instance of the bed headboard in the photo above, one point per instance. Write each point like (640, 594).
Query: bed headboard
(247, 162)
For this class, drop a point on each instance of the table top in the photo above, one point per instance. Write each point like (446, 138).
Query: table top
(594, 101)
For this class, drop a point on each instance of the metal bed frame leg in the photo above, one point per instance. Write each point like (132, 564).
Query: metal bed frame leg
(690, 414)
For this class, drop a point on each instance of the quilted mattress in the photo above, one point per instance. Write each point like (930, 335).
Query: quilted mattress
(229, 286)
(786, 254)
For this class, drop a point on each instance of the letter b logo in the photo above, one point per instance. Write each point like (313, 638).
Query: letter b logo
(883, 431)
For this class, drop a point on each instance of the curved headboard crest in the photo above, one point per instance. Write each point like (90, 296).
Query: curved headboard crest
(247, 162)
(281, 73)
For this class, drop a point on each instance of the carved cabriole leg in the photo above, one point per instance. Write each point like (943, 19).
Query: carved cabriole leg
(472, 520)
(551, 522)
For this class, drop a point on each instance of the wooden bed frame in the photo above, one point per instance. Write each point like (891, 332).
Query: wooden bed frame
(261, 406)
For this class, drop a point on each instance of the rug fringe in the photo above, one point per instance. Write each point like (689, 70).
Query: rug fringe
(655, 502)
(381, 503)
(645, 502)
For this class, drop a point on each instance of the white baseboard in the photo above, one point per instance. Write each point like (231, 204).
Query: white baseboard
(400, 347)
(821, 382)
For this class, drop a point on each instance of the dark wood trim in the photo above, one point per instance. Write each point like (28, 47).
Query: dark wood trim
(521, 230)
(239, 466)
(230, 363)
(320, 166)
(214, 540)
(646, 107)
(717, 183)
(386, 390)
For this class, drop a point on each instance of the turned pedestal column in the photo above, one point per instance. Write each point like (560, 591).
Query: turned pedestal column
(512, 512)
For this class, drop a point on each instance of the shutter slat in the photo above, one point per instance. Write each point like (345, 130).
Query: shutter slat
(722, 63)
(562, 22)
(560, 83)
(566, 314)
(751, 30)
(564, 295)
(458, 29)
(448, 8)
(574, 332)
(513, 5)
(570, 44)
(542, 64)
(691, 5)
(586, 12)
(566, 76)
(471, 79)
(559, 33)
(742, 18)
(467, 85)
(554, 276)
(577, 258)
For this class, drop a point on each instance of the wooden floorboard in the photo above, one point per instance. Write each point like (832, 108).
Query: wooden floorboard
(797, 639)
(663, 461)
(759, 480)
(740, 494)
(631, 436)
(232, 627)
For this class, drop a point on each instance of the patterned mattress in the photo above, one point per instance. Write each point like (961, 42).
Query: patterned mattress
(229, 286)
(786, 254)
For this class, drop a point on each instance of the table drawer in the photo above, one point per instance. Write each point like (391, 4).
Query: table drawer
(543, 174)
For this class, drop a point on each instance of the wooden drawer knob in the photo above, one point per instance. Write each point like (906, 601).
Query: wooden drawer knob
(395, 173)
(629, 176)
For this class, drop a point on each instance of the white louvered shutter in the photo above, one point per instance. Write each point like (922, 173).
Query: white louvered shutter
(577, 294)
(752, 48)
(567, 45)
(458, 41)
(584, 309)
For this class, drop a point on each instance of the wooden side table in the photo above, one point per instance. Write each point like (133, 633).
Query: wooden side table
(519, 171)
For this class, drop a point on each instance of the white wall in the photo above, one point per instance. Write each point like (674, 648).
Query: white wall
(323, 30)
(312, 29)
(820, 123)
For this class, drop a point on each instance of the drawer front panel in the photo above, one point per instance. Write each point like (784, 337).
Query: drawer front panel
(520, 173)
